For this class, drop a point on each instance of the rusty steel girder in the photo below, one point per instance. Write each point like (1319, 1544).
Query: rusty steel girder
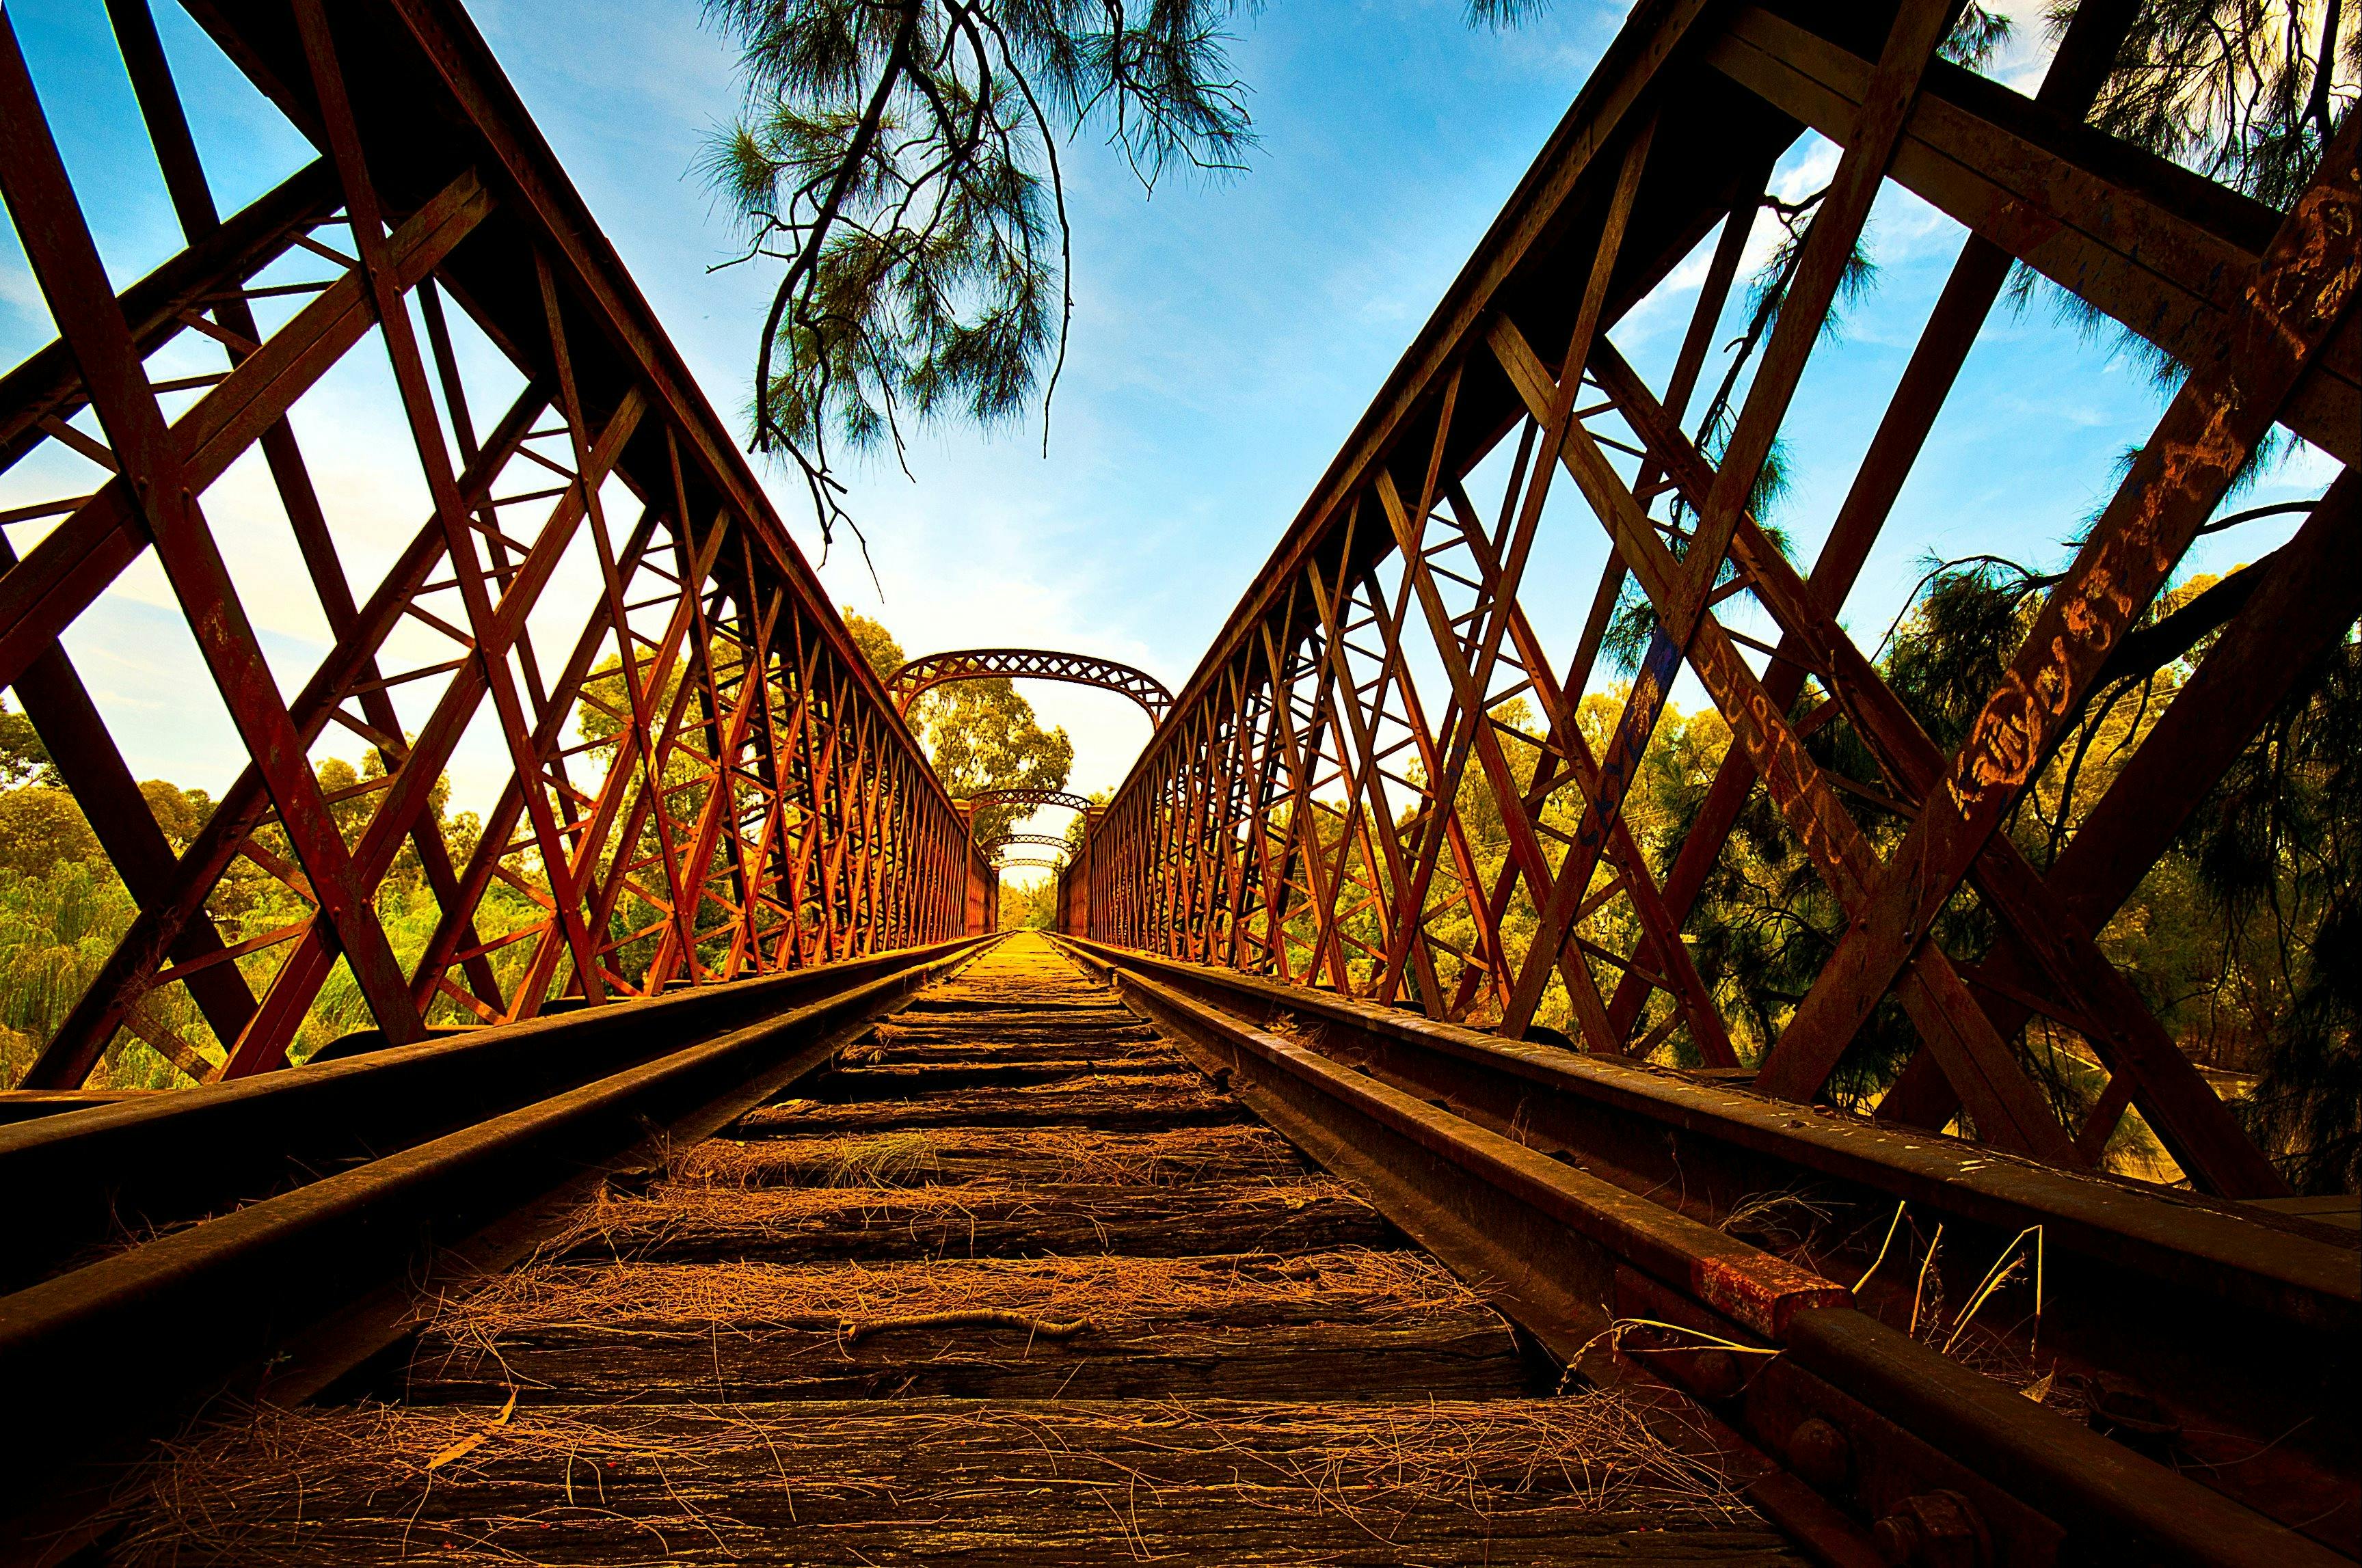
(921, 676)
(1300, 813)
(1026, 796)
(1593, 1190)
(744, 796)
(1036, 840)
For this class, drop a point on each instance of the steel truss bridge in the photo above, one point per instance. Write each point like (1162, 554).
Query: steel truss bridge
(1025, 795)
(719, 856)
(921, 676)
(1035, 840)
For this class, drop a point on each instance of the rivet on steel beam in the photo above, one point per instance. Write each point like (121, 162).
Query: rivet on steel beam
(1717, 1374)
(1820, 1454)
(1935, 1529)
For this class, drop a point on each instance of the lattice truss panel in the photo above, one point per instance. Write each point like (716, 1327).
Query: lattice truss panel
(1309, 810)
(706, 780)
(1001, 846)
(921, 676)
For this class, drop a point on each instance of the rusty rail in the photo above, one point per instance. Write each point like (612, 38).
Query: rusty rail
(1598, 1196)
(330, 1195)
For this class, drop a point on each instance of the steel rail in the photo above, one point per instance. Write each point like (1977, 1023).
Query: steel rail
(147, 1162)
(2207, 1302)
(265, 1277)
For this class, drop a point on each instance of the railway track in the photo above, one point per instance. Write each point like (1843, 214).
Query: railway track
(735, 1248)
(1013, 1281)
(1040, 1251)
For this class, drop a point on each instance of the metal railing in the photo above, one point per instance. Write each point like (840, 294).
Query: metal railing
(1344, 799)
(704, 778)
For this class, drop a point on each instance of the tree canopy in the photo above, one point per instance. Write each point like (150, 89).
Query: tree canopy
(901, 160)
(980, 734)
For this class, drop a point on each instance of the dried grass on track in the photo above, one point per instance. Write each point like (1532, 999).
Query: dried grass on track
(280, 1486)
(914, 1158)
(1353, 1282)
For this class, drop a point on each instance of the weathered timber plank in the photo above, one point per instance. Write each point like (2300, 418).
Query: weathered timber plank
(921, 1079)
(1085, 1048)
(994, 1040)
(1014, 1026)
(958, 1155)
(972, 1021)
(1468, 1355)
(969, 1000)
(693, 1223)
(1349, 1284)
(1034, 1483)
(1108, 1104)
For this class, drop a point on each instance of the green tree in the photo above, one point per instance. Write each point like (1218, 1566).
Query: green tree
(901, 160)
(2245, 938)
(180, 813)
(2278, 854)
(23, 758)
(982, 734)
(875, 642)
(42, 828)
(2245, 92)
(2248, 92)
(1076, 829)
(1030, 906)
(979, 735)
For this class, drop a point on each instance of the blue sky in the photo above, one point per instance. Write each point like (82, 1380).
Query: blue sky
(1226, 337)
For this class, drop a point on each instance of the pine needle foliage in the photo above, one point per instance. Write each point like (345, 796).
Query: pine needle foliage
(901, 157)
(2246, 937)
(2246, 91)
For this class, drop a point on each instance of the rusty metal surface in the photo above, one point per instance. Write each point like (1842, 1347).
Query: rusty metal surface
(143, 1164)
(1027, 796)
(1027, 840)
(755, 803)
(266, 1272)
(1309, 811)
(1531, 1148)
(921, 676)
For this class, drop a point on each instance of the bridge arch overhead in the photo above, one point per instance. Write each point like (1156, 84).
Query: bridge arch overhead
(991, 831)
(921, 676)
(1033, 840)
(1025, 797)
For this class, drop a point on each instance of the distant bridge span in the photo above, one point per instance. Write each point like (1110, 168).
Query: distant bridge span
(921, 676)
(1038, 840)
(1025, 797)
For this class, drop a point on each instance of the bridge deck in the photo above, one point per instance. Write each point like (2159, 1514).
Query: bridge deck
(846, 1331)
